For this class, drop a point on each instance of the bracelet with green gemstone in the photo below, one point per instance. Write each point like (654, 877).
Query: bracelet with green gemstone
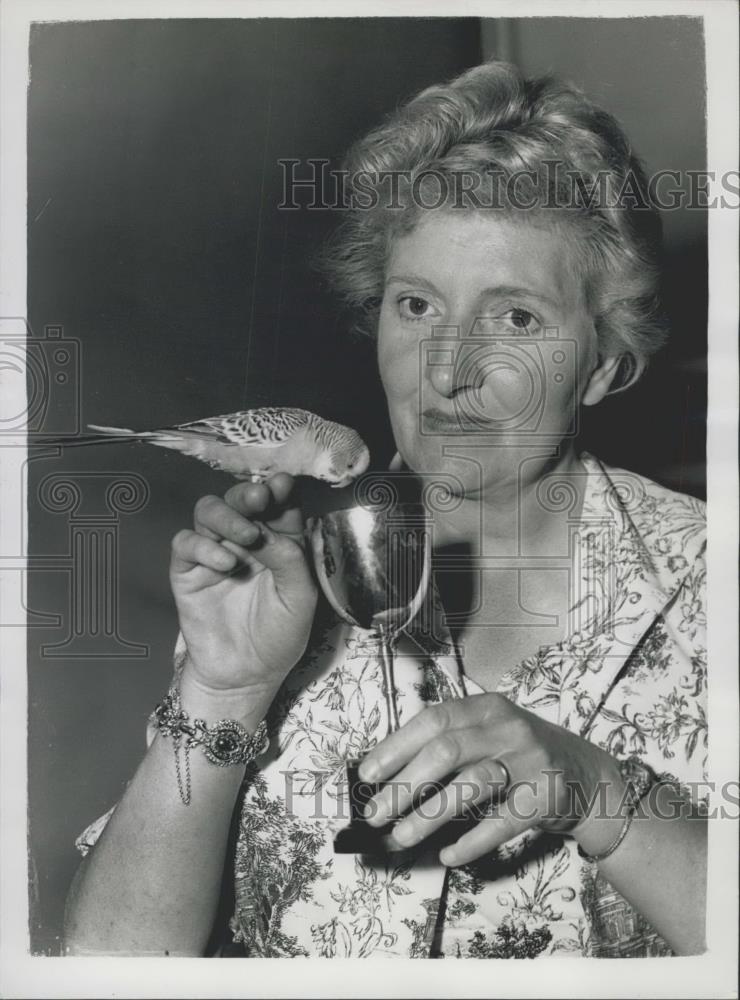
(225, 743)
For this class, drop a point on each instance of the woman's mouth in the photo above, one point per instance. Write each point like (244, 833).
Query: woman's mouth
(437, 421)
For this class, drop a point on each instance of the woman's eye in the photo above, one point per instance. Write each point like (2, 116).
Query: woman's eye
(522, 319)
(414, 307)
(511, 322)
(519, 321)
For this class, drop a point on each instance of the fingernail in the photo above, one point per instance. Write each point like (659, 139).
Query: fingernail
(447, 856)
(249, 533)
(374, 812)
(404, 835)
(369, 770)
(226, 558)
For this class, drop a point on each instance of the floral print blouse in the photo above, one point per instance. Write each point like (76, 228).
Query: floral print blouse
(630, 676)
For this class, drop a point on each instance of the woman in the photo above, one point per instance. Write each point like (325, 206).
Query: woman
(556, 699)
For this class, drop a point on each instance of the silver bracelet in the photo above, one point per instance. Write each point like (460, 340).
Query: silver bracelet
(224, 743)
(639, 779)
(619, 838)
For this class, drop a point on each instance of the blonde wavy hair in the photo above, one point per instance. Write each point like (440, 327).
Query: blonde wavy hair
(491, 121)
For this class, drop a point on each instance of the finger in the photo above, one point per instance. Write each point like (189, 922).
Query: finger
(288, 521)
(269, 502)
(286, 560)
(249, 499)
(281, 486)
(190, 549)
(215, 519)
(205, 531)
(439, 757)
(398, 748)
(257, 497)
(462, 798)
(277, 548)
(285, 514)
(522, 809)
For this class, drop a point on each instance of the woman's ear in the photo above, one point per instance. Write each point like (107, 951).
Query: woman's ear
(600, 380)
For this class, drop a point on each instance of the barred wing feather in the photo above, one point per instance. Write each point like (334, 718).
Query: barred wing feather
(266, 427)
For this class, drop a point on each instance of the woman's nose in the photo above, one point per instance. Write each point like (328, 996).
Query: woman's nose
(442, 374)
(446, 368)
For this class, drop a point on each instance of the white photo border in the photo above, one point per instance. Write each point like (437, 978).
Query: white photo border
(710, 975)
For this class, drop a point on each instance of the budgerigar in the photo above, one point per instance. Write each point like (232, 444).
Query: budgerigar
(255, 444)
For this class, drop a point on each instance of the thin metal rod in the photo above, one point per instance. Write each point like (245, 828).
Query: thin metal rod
(385, 642)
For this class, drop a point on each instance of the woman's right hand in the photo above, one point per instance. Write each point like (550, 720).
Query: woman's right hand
(243, 588)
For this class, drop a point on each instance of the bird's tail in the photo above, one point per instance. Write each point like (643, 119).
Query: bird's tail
(114, 431)
(167, 436)
(109, 435)
(194, 443)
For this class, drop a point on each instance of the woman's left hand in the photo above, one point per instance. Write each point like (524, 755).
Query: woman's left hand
(552, 775)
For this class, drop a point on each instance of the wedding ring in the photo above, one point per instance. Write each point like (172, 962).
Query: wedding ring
(505, 772)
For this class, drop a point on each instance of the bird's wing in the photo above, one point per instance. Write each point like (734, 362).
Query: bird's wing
(265, 427)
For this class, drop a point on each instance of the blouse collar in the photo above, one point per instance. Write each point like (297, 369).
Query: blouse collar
(624, 571)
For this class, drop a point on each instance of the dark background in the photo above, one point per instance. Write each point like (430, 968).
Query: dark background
(155, 241)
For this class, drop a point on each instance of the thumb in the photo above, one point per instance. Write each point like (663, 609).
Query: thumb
(286, 560)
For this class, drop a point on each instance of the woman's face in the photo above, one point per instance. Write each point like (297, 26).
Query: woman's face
(485, 346)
